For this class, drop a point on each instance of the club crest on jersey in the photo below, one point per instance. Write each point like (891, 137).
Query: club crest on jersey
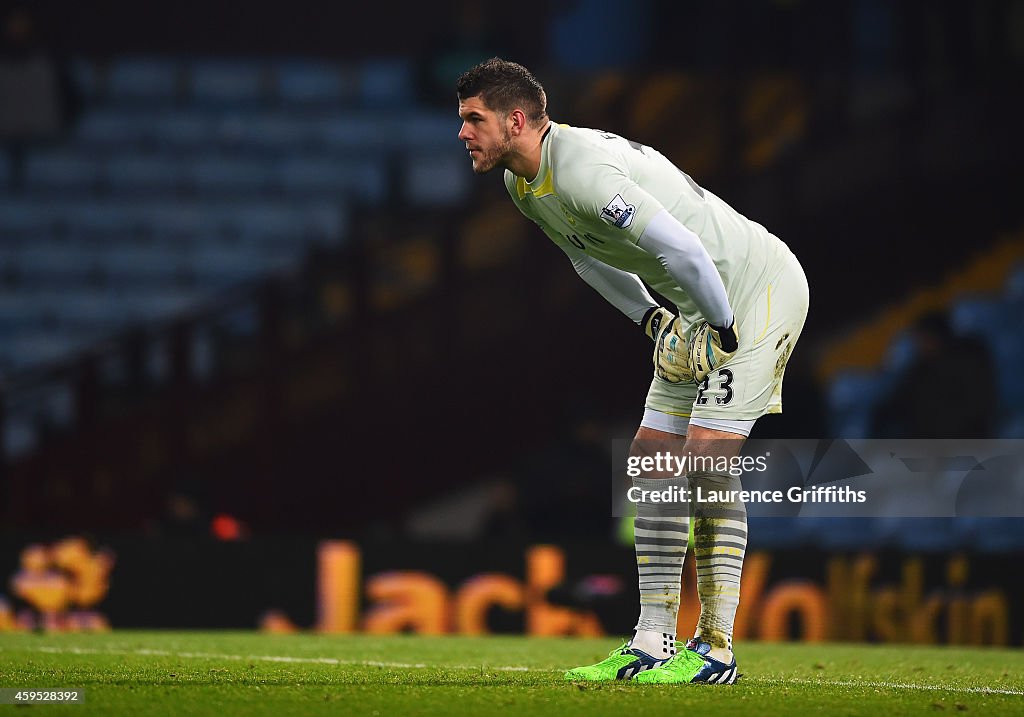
(618, 212)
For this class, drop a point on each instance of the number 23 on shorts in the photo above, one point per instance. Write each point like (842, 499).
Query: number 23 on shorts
(723, 378)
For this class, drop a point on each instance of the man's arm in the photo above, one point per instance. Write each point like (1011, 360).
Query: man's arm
(688, 263)
(629, 295)
(599, 187)
(686, 260)
(621, 289)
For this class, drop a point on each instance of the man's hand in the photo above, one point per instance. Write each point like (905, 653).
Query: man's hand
(710, 347)
(655, 320)
(670, 360)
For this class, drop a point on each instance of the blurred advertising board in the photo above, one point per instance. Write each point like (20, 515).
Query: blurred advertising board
(341, 586)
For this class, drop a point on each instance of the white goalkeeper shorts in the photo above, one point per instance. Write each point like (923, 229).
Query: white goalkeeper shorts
(749, 384)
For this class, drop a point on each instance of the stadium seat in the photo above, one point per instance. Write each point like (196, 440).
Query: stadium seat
(179, 223)
(313, 84)
(58, 263)
(39, 347)
(5, 173)
(431, 130)
(95, 311)
(974, 316)
(353, 132)
(25, 220)
(265, 225)
(112, 128)
(359, 179)
(183, 130)
(128, 264)
(265, 132)
(218, 267)
(993, 535)
(230, 176)
(899, 355)
(17, 310)
(296, 226)
(1015, 285)
(386, 83)
(48, 171)
(226, 82)
(999, 323)
(173, 172)
(774, 533)
(915, 535)
(851, 401)
(1008, 351)
(143, 79)
(99, 222)
(121, 130)
(438, 179)
(9, 253)
(144, 174)
(847, 534)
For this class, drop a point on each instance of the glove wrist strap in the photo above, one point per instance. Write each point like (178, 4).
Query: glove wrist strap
(653, 314)
(727, 335)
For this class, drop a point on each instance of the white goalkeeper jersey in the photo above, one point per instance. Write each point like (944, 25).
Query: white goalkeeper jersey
(596, 191)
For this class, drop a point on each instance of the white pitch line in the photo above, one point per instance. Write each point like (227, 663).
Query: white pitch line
(505, 668)
(273, 658)
(69, 650)
(888, 685)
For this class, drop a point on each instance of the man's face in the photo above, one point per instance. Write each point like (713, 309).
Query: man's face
(485, 133)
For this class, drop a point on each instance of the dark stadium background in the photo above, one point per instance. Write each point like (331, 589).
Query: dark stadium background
(252, 296)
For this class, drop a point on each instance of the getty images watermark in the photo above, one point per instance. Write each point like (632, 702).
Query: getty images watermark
(664, 466)
(820, 478)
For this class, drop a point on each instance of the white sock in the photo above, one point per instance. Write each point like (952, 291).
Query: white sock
(720, 542)
(660, 538)
(660, 645)
(721, 654)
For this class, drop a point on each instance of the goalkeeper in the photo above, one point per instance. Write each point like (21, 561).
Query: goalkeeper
(622, 212)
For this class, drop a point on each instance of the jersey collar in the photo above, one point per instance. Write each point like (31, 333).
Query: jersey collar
(543, 184)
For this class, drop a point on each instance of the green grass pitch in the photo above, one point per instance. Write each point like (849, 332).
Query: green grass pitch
(233, 673)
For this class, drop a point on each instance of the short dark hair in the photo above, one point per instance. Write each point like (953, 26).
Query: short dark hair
(503, 86)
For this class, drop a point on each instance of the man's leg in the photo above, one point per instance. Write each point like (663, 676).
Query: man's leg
(661, 538)
(720, 541)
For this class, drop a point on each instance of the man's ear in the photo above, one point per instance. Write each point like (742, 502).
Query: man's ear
(518, 118)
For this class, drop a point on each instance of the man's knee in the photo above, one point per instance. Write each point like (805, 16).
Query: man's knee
(713, 443)
(651, 442)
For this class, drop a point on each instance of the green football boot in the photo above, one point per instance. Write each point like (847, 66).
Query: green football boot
(691, 665)
(622, 663)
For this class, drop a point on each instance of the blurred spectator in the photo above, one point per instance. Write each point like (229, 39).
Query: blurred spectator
(36, 94)
(941, 392)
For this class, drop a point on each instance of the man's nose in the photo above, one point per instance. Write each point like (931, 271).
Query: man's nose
(463, 132)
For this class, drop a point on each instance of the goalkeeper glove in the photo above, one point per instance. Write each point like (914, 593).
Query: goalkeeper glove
(670, 360)
(710, 347)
